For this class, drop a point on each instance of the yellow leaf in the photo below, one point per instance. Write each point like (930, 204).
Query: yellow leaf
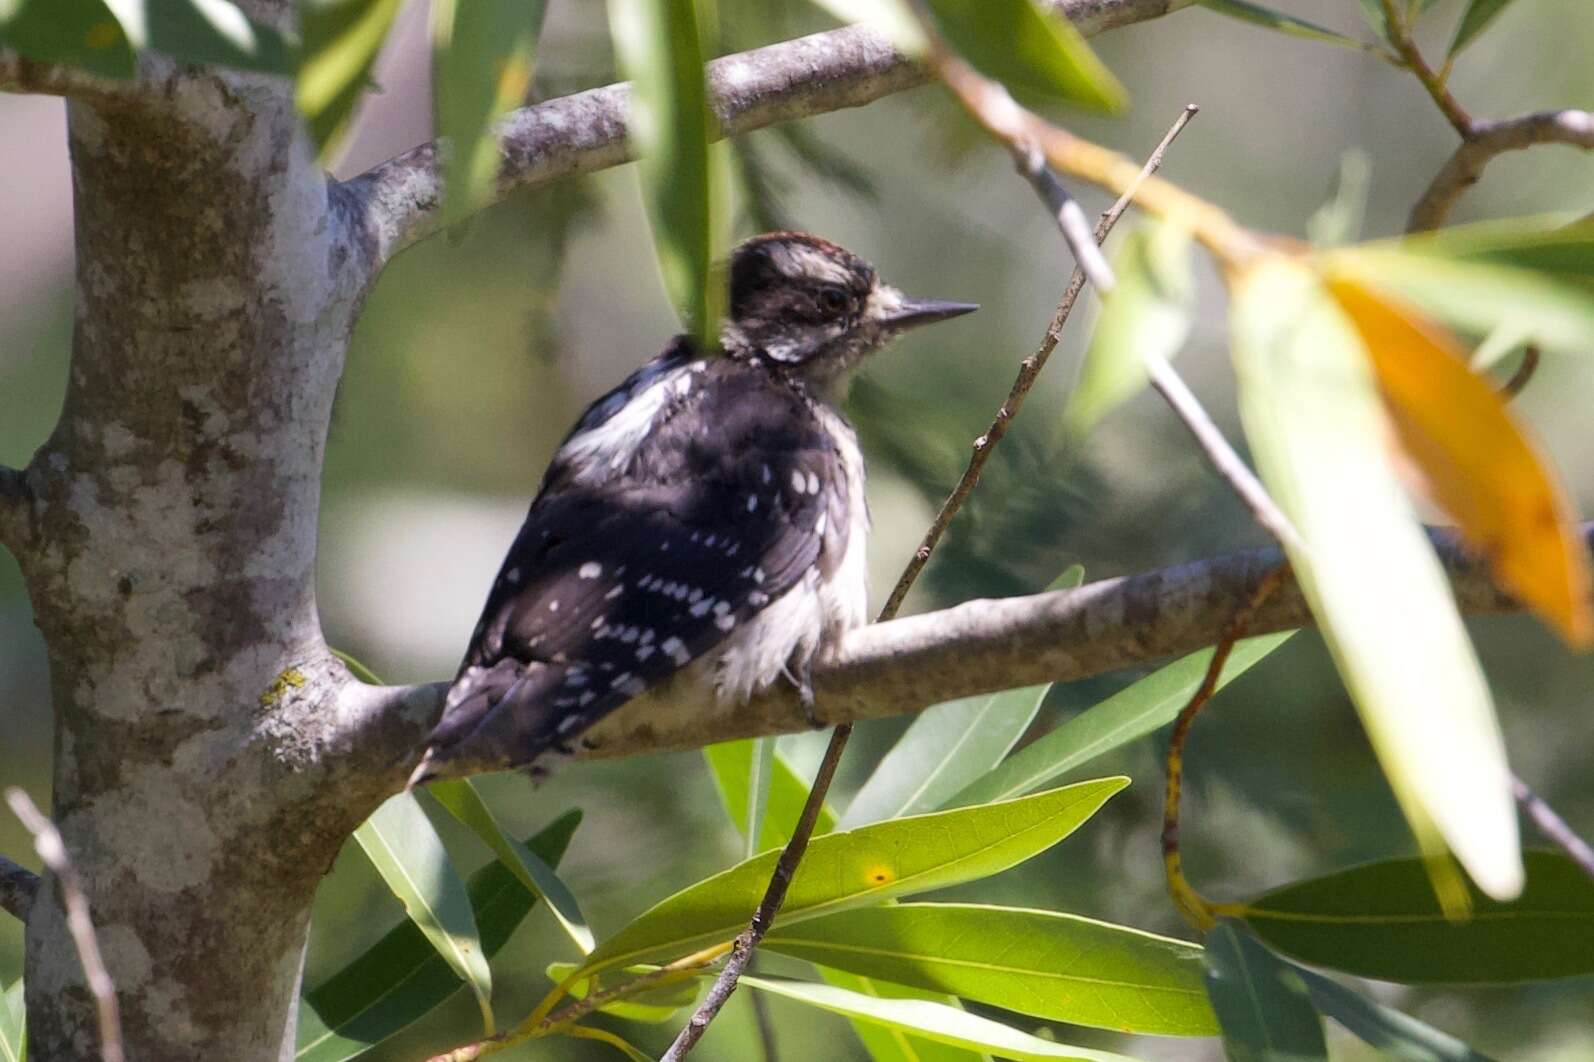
(1476, 462)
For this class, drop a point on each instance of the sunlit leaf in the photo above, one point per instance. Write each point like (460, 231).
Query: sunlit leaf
(859, 867)
(933, 1021)
(1034, 53)
(1042, 963)
(461, 799)
(1266, 1011)
(945, 748)
(1474, 21)
(658, 45)
(1126, 716)
(81, 33)
(654, 1006)
(887, 1043)
(13, 1024)
(404, 848)
(341, 42)
(1381, 920)
(482, 52)
(1317, 425)
(1147, 316)
(1557, 245)
(1258, 15)
(1393, 1034)
(730, 762)
(1474, 460)
(401, 978)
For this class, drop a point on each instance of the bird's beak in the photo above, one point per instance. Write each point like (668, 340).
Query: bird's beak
(910, 313)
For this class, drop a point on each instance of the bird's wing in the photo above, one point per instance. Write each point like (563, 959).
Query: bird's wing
(610, 589)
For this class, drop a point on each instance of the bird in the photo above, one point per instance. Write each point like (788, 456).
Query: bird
(703, 523)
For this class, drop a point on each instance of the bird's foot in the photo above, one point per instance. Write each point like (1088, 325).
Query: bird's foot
(804, 682)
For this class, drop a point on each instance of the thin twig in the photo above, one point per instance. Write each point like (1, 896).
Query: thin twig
(1553, 826)
(764, 917)
(1028, 370)
(1519, 379)
(18, 887)
(1488, 140)
(47, 842)
(1400, 36)
(1066, 211)
(1186, 900)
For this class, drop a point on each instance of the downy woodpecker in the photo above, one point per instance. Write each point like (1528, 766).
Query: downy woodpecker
(708, 514)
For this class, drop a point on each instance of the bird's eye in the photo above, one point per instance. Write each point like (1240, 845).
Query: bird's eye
(833, 300)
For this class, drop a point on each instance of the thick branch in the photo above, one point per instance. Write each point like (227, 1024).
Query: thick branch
(1488, 139)
(18, 886)
(586, 132)
(19, 74)
(978, 647)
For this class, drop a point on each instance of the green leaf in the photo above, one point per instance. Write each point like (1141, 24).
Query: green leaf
(205, 31)
(946, 748)
(1034, 53)
(1266, 1012)
(1042, 963)
(463, 801)
(13, 1025)
(404, 848)
(1316, 422)
(658, 46)
(80, 33)
(731, 762)
(761, 769)
(1339, 220)
(652, 1006)
(482, 52)
(1073, 578)
(1395, 1035)
(860, 867)
(1373, 12)
(1556, 244)
(1474, 21)
(341, 42)
(401, 978)
(1380, 920)
(886, 1043)
(892, 19)
(1278, 20)
(1147, 316)
(1126, 716)
(932, 1021)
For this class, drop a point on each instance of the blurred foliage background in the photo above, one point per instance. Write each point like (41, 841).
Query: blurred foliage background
(478, 349)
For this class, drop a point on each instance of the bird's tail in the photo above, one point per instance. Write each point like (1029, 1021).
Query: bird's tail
(502, 713)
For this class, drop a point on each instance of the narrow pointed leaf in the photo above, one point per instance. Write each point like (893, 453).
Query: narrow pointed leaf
(860, 867)
(403, 846)
(1339, 221)
(1557, 245)
(761, 769)
(945, 748)
(1475, 461)
(481, 69)
(1381, 920)
(1045, 964)
(401, 978)
(933, 1021)
(1034, 53)
(730, 762)
(1258, 15)
(80, 33)
(1393, 1034)
(887, 1043)
(208, 31)
(658, 47)
(1474, 21)
(463, 801)
(1316, 423)
(1128, 715)
(341, 41)
(13, 1025)
(1266, 1011)
(1147, 316)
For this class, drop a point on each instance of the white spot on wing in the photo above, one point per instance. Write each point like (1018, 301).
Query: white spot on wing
(675, 650)
(590, 570)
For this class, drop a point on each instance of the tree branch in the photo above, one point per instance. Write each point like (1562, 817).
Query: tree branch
(400, 200)
(19, 74)
(1488, 139)
(979, 647)
(18, 886)
(14, 499)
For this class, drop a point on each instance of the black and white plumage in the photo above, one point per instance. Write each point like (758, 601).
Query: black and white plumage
(708, 514)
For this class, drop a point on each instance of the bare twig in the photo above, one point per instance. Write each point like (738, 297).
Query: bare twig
(1066, 211)
(1028, 370)
(400, 200)
(1519, 379)
(741, 954)
(18, 887)
(1553, 827)
(47, 842)
(1487, 140)
(1411, 56)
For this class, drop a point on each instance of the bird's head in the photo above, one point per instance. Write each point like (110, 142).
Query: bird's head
(810, 306)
